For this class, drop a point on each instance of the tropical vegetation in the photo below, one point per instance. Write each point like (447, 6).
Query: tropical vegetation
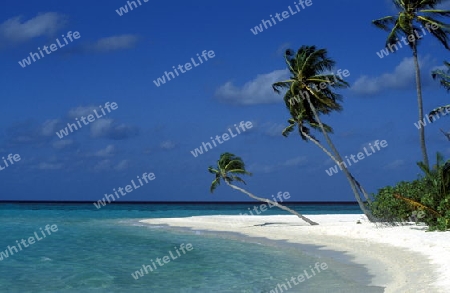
(429, 194)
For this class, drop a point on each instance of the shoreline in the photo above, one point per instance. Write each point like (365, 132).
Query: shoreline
(400, 259)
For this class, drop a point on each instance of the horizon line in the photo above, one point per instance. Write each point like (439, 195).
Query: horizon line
(177, 202)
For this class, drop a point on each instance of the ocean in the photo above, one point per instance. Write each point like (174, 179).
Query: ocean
(77, 248)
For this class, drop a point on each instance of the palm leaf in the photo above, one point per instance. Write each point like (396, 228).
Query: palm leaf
(438, 110)
(214, 184)
(384, 22)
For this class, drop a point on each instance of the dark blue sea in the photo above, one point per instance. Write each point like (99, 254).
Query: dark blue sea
(101, 251)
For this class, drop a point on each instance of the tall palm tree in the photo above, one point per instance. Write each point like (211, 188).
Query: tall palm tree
(227, 167)
(412, 13)
(310, 94)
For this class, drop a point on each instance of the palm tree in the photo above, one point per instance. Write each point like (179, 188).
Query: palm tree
(227, 167)
(405, 23)
(305, 101)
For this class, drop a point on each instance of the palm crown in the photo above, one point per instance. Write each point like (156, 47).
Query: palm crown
(411, 13)
(309, 68)
(227, 167)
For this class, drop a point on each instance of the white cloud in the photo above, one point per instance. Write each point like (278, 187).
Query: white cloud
(106, 152)
(256, 91)
(261, 168)
(397, 164)
(45, 24)
(167, 145)
(103, 165)
(107, 165)
(61, 144)
(298, 161)
(109, 129)
(274, 129)
(49, 166)
(122, 165)
(82, 111)
(114, 43)
(101, 127)
(403, 77)
(49, 127)
(269, 168)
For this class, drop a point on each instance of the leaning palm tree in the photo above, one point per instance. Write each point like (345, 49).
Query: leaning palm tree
(309, 70)
(227, 167)
(405, 24)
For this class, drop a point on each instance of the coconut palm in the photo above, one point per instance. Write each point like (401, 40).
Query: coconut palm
(411, 14)
(227, 167)
(310, 93)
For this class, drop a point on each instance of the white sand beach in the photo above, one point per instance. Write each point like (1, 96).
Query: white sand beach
(403, 259)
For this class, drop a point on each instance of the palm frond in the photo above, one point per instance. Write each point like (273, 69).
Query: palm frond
(240, 171)
(417, 204)
(436, 12)
(212, 170)
(384, 22)
(438, 110)
(214, 184)
(239, 179)
(288, 129)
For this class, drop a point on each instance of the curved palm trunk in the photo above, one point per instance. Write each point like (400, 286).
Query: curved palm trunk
(423, 146)
(353, 183)
(272, 202)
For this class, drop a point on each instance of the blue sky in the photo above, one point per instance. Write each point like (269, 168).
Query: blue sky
(154, 129)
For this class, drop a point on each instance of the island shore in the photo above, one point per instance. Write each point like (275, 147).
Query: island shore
(401, 258)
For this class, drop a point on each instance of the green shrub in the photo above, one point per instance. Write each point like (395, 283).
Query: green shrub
(429, 195)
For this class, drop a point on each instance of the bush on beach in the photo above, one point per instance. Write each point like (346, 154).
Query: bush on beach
(429, 195)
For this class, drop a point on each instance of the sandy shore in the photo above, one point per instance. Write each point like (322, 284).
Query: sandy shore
(401, 259)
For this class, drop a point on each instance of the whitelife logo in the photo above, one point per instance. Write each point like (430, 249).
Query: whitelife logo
(76, 35)
(31, 240)
(411, 38)
(11, 158)
(225, 137)
(360, 155)
(122, 10)
(285, 14)
(146, 177)
(319, 267)
(90, 118)
(188, 66)
(165, 259)
(435, 116)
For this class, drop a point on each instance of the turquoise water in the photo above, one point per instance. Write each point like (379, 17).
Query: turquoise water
(99, 250)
